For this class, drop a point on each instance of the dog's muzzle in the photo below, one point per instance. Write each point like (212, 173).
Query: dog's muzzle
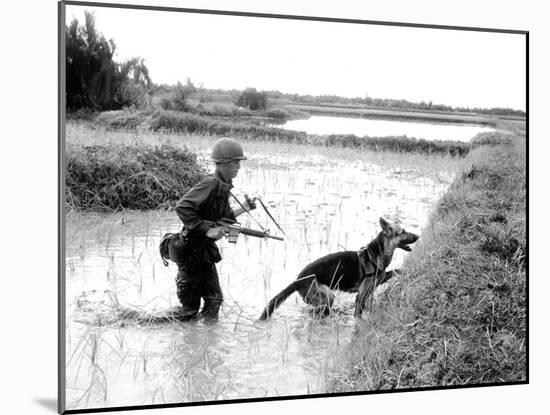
(411, 238)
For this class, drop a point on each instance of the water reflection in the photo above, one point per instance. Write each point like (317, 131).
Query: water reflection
(382, 128)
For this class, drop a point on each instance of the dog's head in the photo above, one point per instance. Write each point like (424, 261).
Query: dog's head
(398, 236)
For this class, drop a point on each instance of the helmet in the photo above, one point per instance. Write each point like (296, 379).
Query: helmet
(226, 149)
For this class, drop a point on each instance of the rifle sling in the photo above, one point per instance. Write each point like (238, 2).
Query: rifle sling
(269, 214)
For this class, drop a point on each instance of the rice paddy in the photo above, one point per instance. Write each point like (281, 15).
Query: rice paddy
(326, 199)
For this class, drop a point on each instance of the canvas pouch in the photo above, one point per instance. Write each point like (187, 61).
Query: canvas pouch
(172, 247)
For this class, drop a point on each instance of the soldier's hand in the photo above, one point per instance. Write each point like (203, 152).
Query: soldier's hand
(250, 202)
(215, 233)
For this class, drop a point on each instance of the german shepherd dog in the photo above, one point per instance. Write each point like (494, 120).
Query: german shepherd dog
(349, 271)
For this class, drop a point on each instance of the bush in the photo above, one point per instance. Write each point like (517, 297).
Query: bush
(84, 114)
(278, 114)
(252, 99)
(129, 177)
(178, 99)
(491, 138)
(134, 94)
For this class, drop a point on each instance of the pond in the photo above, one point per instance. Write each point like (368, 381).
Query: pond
(327, 200)
(382, 128)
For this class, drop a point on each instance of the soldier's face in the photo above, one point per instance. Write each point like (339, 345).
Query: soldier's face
(230, 169)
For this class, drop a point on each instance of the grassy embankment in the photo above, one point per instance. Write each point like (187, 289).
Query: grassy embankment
(458, 315)
(189, 123)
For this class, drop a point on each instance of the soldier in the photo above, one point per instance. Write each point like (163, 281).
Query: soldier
(208, 200)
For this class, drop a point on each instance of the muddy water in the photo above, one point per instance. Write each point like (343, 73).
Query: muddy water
(325, 202)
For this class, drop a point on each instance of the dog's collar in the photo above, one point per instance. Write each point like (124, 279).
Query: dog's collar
(363, 264)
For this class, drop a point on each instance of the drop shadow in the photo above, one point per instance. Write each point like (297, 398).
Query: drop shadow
(47, 403)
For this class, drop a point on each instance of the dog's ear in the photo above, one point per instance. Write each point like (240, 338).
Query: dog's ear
(386, 227)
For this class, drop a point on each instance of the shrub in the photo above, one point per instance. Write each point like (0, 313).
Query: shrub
(179, 96)
(84, 114)
(130, 177)
(491, 138)
(252, 99)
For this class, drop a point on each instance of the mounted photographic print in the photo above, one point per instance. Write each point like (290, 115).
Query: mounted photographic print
(260, 207)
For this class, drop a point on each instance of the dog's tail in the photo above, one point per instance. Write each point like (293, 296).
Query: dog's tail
(279, 299)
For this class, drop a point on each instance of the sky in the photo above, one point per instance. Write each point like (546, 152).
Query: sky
(450, 67)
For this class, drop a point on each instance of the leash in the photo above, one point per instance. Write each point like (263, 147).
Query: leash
(265, 209)
(269, 214)
(247, 211)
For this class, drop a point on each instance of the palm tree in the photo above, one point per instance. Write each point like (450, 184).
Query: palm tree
(94, 80)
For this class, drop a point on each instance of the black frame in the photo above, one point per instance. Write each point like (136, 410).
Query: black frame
(61, 204)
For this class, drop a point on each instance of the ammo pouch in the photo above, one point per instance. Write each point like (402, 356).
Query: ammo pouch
(172, 246)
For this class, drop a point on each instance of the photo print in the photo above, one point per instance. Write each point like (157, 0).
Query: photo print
(261, 207)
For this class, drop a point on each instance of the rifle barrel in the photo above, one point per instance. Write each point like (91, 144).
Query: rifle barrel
(259, 234)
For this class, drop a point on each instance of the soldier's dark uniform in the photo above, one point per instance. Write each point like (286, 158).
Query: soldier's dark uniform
(197, 276)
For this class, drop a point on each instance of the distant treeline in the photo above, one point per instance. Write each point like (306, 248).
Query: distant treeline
(392, 103)
(232, 95)
(94, 81)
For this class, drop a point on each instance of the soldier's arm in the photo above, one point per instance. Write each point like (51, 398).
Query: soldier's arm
(189, 206)
(248, 204)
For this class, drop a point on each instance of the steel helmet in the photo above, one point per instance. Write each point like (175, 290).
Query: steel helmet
(226, 149)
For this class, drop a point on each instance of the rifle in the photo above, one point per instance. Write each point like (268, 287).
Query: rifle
(232, 230)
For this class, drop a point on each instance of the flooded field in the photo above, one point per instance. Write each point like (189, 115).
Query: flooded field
(325, 199)
(382, 128)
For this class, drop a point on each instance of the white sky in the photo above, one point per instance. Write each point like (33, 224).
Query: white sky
(458, 68)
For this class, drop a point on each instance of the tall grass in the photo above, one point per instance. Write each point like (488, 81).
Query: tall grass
(458, 315)
(128, 176)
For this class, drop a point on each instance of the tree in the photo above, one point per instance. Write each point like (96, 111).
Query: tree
(179, 96)
(93, 79)
(252, 99)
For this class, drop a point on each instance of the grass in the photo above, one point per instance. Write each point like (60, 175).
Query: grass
(81, 133)
(458, 316)
(244, 129)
